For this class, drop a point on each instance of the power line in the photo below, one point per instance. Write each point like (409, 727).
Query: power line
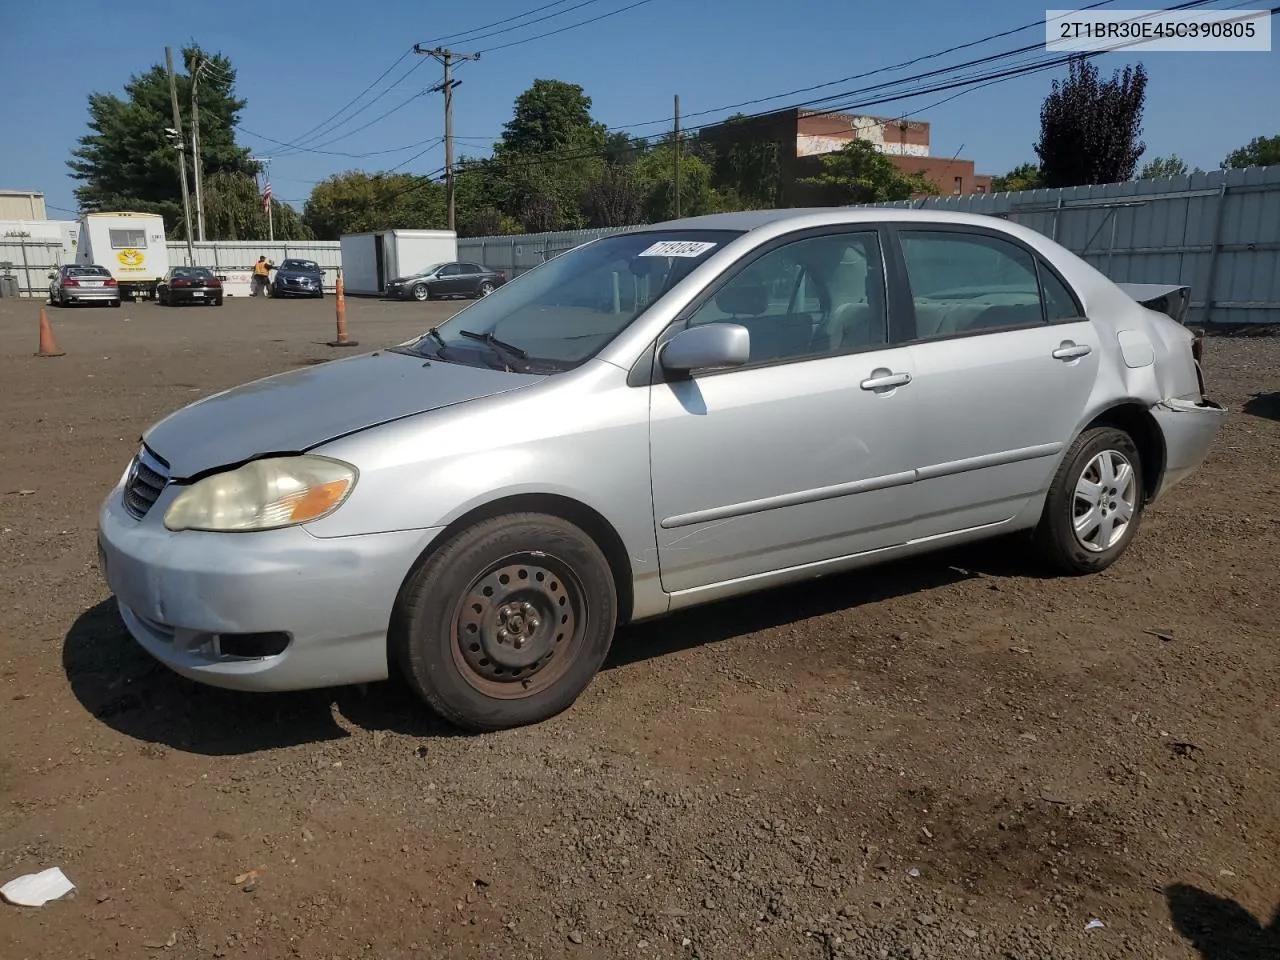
(302, 144)
(453, 37)
(471, 36)
(572, 26)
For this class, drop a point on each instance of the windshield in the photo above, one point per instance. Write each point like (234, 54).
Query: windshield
(427, 270)
(309, 266)
(567, 309)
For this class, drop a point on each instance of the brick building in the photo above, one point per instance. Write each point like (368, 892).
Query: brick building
(804, 136)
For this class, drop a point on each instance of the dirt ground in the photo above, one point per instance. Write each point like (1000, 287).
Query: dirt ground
(945, 758)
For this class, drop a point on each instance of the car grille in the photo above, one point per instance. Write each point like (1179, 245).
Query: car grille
(147, 478)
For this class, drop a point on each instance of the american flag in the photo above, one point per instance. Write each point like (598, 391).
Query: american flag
(266, 194)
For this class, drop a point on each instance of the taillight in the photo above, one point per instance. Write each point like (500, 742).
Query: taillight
(215, 282)
(110, 282)
(182, 283)
(71, 282)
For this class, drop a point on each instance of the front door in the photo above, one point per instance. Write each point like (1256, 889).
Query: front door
(804, 454)
(1004, 363)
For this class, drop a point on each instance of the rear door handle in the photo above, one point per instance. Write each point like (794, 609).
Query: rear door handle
(1070, 351)
(885, 382)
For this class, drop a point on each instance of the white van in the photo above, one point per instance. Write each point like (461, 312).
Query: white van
(131, 245)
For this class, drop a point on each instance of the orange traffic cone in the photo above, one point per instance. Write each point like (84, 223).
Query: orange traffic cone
(48, 345)
(340, 304)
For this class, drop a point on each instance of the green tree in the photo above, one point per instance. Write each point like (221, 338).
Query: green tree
(616, 198)
(551, 116)
(1258, 152)
(359, 202)
(233, 211)
(127, 162)
(1170, 166)
(1089, 129)
(859, 173)
(656, 172)
(1025, 176)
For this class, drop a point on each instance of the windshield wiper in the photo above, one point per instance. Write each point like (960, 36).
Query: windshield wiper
(434, 333)
(498, 345)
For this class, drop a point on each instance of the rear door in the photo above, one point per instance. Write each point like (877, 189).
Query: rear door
(1004, 364)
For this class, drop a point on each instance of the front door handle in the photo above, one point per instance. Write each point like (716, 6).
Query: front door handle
(1071, 351)
(886, 381)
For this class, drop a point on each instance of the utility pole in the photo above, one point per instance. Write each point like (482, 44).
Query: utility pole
(182, 159)
(195, 148)
(677, 155)
(447, 58)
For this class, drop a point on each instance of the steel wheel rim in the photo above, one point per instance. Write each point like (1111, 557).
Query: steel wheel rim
(518, 625)
(1105, 500)
(420, 292)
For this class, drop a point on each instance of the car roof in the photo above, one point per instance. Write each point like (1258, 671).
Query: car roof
(747, 220)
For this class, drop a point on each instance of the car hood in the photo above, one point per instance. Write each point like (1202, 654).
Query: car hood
(294, 411)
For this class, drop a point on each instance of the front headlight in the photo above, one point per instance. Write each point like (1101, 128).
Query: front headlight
(264, 495)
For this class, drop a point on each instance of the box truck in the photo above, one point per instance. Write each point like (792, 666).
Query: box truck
(369, 260)
(130, 245)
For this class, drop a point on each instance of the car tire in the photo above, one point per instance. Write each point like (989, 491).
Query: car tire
(1077, 532)
(115, 304)
(421, 292)
(484, 289)
(507, 623)
(218, 302)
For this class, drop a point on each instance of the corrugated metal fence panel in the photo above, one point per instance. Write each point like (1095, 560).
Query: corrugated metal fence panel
(241, 255)
(1218, 231)
(519, 253)
(32, 261)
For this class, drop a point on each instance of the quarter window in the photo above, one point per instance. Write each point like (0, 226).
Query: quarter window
(968, 283)
(817, 297)
(1059, 304)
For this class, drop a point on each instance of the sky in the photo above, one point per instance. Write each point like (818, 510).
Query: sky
(298, 65)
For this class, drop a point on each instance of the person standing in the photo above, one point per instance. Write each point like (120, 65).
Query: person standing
(261, 276)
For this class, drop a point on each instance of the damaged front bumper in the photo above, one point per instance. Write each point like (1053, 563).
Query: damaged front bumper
(1188, 428)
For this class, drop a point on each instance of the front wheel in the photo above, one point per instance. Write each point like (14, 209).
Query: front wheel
(421, 292)
(1095, 503)
(507, 623)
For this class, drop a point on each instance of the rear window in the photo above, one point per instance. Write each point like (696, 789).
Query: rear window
(122, 239)
(193, 273)
(87, 272)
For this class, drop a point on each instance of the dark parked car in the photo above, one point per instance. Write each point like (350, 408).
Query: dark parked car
(298, 278)
(189, 285)
(455, 279)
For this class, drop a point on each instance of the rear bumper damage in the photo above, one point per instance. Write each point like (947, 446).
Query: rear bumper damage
(1189, 428)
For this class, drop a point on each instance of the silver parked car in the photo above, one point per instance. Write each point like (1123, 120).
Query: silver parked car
(83, 283)
(677, 414)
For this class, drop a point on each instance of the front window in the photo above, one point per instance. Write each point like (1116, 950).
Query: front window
(563, 312)
(128, 239)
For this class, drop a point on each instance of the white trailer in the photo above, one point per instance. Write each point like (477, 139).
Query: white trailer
(369, 260)
(130, 245)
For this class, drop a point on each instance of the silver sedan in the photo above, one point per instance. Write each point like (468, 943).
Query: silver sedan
(83, 283)
(658, 419)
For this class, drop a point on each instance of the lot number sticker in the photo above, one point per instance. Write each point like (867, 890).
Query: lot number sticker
(677, 248)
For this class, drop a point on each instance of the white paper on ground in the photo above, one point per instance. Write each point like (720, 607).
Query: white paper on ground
(37, 889)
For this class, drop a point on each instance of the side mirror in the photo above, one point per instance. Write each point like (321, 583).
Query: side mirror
(708, 345)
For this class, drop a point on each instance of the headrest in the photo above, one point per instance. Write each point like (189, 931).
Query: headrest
(743, 300)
